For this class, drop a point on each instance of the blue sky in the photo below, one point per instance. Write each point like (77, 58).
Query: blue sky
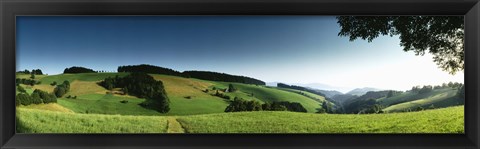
(290, 49)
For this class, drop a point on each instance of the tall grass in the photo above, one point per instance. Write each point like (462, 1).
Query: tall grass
(447, 120)
(41, 121)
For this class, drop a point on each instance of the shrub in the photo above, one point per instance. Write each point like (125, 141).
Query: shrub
(21, 89)
(17, 102)
(36, 98)
(221, 95)
(239, 104)
(24, 99)
(230, 88)
(45, 96)
(51, 98)
(60, 91)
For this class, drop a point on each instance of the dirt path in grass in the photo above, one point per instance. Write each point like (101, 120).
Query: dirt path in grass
(174, 126)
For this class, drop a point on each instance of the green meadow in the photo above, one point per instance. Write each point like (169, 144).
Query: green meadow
(445, 120)
(194, 108)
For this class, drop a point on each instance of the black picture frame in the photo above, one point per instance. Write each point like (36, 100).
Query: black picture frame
(11, 8)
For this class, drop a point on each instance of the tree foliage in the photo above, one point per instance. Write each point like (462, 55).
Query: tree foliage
(215, 76)
(231, 88)
(76, 69)
(239, 104)
(37, 97)
(62, 89)
(37, 72)
(364, 102)
(149, 69)
(441, 36)
(204, 75)
(45, 96)
(141, 85)
(24, 71)
(21, 89)
(26, 81)
(24, 99)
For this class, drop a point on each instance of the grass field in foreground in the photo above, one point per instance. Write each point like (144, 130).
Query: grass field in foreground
(446, 120)
(41, 121)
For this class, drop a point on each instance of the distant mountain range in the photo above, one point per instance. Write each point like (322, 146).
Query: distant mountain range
(361, 91)
(319, 86)
(330, 89)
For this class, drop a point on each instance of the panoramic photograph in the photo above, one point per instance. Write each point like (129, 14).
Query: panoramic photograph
(240, 74)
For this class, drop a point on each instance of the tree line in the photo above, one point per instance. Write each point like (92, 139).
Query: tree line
(34, 71)
(141, 85)
(366, 103)
(149, 69)
(37, 97)
(30, 82)
(239, 104)
(216, 76)
(76, 69)
(204, 75)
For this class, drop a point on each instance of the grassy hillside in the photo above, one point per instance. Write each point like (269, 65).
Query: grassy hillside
(80, 77)
(306, 94)
(446, 120)
(41, 121)
(269, 94)
(48, 107)
(187, 96)
(409, 96)
(439, 99)
(106, 104)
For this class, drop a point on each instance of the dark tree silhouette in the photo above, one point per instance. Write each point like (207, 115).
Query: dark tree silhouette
(216, 76)
(76, 69)
(37, 72)
(149, 69)
(442, 36)
(21, 89)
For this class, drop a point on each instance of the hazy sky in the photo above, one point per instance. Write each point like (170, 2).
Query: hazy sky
(289, 49)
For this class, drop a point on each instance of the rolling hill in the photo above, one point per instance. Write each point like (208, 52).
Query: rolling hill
(187, 95)
(437, 98)
(196, 109)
